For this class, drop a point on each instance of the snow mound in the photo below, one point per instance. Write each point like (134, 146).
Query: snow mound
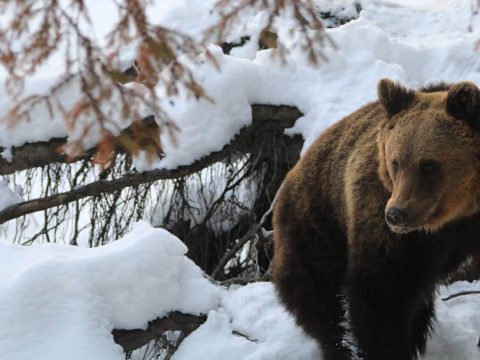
(62, 302)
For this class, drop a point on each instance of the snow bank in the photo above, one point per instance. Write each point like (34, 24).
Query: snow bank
(62, 302)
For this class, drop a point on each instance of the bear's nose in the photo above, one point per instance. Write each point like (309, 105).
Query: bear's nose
(396, 216)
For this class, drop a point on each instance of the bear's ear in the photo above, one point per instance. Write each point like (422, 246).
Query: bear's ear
(394, 97)
(463, 102)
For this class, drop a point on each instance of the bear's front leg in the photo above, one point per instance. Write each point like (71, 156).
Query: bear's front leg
(379, 323)
(384, 297)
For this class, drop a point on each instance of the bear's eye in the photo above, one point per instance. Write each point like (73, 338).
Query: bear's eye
(395, 166)
(428, 167)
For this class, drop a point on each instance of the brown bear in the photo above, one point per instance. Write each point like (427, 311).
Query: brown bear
(382, 208)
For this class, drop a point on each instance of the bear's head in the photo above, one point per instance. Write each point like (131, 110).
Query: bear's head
(429, 154)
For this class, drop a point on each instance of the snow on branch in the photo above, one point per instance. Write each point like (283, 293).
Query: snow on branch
(268, 122)
(44, 153)
(49, 50)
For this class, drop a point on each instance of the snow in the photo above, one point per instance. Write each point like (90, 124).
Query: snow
(382, 42)
(8, 196)
(61, 302)
(457, 331)
(198, 121)
(249, 325)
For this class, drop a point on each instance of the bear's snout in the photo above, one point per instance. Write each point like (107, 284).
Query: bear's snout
(396, 216)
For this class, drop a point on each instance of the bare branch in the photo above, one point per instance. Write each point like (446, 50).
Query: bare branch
(249, 235)
(461, 293)
(176, 321)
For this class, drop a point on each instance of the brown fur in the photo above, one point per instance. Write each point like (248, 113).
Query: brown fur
(334, 250)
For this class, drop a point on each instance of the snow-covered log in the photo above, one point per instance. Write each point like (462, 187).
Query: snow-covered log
(30, 155)
(262, 137)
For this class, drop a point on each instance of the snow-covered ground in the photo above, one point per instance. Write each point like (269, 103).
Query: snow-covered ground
(61, 302)
(271, 334)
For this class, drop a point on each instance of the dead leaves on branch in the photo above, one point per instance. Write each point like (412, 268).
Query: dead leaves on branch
(141, 136)
(39, 29)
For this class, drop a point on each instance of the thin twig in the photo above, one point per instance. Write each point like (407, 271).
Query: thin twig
(461, 293)
(249, 235)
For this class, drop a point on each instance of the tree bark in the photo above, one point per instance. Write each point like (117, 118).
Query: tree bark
(176, 321)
